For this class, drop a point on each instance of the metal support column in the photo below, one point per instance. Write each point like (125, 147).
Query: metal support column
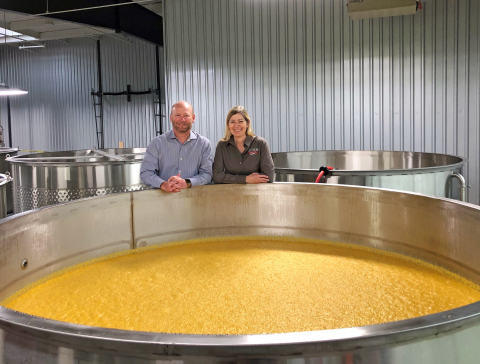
(158, 97)
(9, 123)
(98, 103)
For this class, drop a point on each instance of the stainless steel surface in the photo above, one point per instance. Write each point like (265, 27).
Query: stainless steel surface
(5, 181)
(111, 156)
(427, 173)
(44, 179)
(440, 231)
(5, 167)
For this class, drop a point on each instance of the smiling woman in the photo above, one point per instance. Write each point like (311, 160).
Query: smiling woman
(242, 157)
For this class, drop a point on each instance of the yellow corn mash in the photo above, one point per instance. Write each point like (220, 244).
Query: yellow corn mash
(249, 285)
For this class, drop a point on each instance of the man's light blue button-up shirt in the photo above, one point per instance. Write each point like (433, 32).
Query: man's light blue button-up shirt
(166, 157)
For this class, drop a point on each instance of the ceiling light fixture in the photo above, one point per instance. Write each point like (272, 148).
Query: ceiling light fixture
(31, 46)
(4, 89)
(7, 91)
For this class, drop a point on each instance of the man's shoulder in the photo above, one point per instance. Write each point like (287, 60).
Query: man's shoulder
(201, 138)
(162, 137)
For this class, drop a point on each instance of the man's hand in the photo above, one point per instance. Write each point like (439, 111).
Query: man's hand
(257, 178)
(179, 181)
(170, 187)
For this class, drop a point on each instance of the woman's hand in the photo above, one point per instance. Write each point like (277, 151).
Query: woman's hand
(257, 178)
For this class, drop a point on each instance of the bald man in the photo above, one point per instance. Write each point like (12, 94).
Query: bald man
(180, 158)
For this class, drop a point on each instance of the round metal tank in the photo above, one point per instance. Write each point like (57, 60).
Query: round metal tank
(44, 179)
(5, 167)
(439, 231)
(428, 173)
(5, 180)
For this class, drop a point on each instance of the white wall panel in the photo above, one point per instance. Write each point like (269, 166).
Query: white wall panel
(312, 79)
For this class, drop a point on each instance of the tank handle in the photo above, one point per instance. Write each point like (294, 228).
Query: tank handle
(463, 186)
(9, 177)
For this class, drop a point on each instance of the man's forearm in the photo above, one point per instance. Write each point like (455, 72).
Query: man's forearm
(151, 179)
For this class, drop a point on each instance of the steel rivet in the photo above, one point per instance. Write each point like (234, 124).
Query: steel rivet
(24, 264)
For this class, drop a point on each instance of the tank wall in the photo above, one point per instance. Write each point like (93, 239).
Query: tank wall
(36, 186)
(409, 224)
(436, 230)
(55, 238)
(439, 183)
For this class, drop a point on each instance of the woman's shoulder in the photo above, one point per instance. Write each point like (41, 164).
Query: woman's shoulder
(260, 140)
(222, 143)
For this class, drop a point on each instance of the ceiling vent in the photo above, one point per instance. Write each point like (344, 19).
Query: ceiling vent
(367, 9)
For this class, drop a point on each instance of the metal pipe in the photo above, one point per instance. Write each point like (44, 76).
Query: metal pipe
(463, 186)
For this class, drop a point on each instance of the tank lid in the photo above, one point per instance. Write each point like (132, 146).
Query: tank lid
(82, 157)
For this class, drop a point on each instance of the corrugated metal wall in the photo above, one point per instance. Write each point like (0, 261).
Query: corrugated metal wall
(312, 79)
(58, 114)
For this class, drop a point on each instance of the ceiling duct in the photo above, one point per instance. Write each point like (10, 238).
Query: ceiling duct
(368, 9)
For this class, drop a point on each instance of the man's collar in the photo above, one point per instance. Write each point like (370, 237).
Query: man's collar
(171, 135)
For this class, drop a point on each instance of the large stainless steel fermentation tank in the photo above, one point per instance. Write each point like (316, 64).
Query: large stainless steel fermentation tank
(428, 173)
(44, 179)
(5, 167)
(440, 231)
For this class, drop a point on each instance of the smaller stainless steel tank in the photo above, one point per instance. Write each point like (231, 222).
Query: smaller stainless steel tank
(5, 167)
(44, 179)
(427, 173)
(5, 180)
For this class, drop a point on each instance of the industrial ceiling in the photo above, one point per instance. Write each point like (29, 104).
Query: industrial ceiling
(29, 23)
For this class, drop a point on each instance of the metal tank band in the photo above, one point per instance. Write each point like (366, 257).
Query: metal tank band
(45, 179)
(439, 231)
(427, 173)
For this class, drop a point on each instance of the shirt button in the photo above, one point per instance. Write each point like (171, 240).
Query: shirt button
(180, 158)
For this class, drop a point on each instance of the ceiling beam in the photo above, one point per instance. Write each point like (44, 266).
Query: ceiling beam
(31, 33)
(30, 24)
(132, 19)
(73, 33)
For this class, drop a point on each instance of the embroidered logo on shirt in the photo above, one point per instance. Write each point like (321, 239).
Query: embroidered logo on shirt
(253, 151)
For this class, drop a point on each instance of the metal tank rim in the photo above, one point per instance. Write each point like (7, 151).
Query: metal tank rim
(352, 172)
(6, 150)
(20, 159)
(323, 341)
(344, 339)
(4, 179)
